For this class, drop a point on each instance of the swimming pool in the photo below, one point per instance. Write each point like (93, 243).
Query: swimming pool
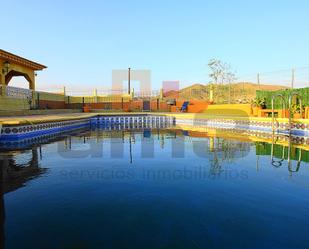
(152, 187)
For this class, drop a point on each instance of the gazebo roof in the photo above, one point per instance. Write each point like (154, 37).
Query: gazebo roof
(20, 60)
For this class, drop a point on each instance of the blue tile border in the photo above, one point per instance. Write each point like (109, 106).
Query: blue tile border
(148, 121)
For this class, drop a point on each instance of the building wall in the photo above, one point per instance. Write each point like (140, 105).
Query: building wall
(10, 104)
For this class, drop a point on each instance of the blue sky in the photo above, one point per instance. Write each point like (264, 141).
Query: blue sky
(81, 42)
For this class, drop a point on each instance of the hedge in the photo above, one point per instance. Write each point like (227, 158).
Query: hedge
(304, 93)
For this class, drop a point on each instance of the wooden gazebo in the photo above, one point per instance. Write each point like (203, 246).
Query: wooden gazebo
(13, 65)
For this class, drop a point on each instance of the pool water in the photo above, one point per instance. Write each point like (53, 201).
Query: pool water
(151, 189)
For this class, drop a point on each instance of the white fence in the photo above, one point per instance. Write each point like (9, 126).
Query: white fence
(18, 93)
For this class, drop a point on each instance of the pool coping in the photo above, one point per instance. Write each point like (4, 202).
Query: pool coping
(35, 119)
(46, 124)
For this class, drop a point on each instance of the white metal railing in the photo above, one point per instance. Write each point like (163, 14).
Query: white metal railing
(144, 94)
(16, 92)
(273, 109)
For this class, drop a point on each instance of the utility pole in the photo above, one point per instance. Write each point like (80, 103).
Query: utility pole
(258, 80)
(129, 81)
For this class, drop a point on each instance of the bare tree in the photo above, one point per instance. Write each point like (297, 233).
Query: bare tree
(221, 74)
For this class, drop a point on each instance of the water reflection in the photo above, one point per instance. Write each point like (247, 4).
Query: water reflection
(216, 150)
(219, 151)
(2, 214)
(15, 172)
(283, 155)
(18, 167)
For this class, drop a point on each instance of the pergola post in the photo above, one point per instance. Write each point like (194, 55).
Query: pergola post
(32, 81)
(2, 83)
(32, 87)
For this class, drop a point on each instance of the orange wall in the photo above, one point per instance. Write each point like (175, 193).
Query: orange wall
(136, 105)
(49, 104)
(164, 107)
(194, 106)
(154, 105)
(110, 105)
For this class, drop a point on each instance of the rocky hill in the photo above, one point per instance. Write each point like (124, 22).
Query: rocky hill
(238, 92)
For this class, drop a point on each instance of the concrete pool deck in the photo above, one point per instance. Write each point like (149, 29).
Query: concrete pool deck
(35, 119)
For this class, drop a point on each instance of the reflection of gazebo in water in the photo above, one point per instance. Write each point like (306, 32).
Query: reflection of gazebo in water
(13, 177)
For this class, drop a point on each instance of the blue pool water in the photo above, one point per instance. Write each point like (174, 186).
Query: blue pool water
(152, 189)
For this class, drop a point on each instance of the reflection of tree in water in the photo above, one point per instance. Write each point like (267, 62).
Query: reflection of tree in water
(223, 150)
(14, 175)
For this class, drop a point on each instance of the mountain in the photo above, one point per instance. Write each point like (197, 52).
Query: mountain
(238, 92)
